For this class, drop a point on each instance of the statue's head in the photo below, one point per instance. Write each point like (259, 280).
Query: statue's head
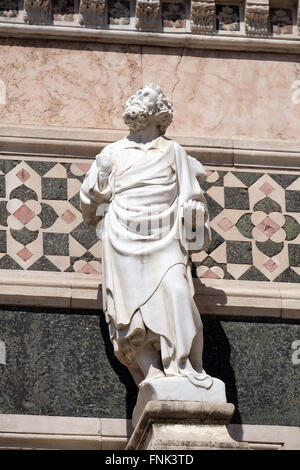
(147, 105)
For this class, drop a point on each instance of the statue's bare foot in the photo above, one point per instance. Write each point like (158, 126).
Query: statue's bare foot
(153, 373)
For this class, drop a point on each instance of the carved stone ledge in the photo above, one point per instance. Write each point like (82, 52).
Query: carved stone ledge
(203, 16)
(182, 425)
(257, 17)
(37, 11)
(92, 12)
(147, 14)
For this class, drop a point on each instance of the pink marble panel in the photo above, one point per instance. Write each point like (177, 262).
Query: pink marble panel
(68, 84)
(215, 93)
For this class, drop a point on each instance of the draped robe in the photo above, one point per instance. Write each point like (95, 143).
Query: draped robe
(147, 285)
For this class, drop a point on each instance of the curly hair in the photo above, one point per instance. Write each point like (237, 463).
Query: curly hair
(162, 110)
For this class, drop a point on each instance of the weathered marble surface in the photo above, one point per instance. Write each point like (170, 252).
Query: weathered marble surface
(57, 363)
(60, 362)
(85, 85)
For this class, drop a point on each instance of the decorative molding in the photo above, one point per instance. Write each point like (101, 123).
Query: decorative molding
(79, 433)
(37, 11)
(237, 42)
(257, 17)
(168, 18)
(203, 16)
(92, 12)
(215, 297)
(147, 14)
(73, 143)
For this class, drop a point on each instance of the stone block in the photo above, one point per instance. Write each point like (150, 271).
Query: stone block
(184, 425)
(177, 389)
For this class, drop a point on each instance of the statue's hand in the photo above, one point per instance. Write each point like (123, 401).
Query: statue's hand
(102, 181)
(190, 209)
(104, 164)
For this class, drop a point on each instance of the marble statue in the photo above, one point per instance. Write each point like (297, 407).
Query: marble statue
(143, 195)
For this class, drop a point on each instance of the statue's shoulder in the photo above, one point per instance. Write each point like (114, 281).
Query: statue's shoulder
(113, 146)
(111, 150)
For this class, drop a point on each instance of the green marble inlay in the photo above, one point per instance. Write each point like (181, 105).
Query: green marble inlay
(48, 215)
(267, 205)
(60, 362)
(245, 226)
(269, 247)
(247, 178)
(292, 228)
(24, 236)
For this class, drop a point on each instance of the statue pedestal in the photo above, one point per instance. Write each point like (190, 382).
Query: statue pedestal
(173, 413)
(184, 425)
(178, 389)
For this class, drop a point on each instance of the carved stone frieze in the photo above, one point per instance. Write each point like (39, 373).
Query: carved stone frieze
(147, 14)
(203, 16)
(37, 11)
(92, 12)
(228, 17)
(119, 12)
(8, 8)
(173, 14)
(257, 17)
(281, 20)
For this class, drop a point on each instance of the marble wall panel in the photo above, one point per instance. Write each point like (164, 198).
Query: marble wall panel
(255, 222)
(60, 362)
(215, 93)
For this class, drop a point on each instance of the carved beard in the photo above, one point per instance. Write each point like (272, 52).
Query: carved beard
(136, 116)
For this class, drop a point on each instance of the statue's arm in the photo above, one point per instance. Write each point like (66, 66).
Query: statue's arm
(198, 204)
(96, 188)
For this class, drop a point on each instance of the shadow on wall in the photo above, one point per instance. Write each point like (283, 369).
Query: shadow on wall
(217, 351)
(216, 360)
(121, 371)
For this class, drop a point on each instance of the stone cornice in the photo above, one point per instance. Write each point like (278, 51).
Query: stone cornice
(214, 297)
(66, 143)
(19, 431)
(186, 40)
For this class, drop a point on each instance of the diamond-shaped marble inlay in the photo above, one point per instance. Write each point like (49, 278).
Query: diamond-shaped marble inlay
(209, 274)
(68, 216)
(24, 214)
(267, 188)
(24, 254)
(84, 166)
(23, 175)
(268, 226)
(225, 224)
(270, 265)
(88, 269)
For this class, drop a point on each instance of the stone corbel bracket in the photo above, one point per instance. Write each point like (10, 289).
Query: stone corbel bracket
(92, 12)
(203, 16)
(148, 14)
(257, 16)
(37, 11)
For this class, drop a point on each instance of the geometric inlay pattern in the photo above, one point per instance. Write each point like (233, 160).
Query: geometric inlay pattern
(41, 227)
(255, 222)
